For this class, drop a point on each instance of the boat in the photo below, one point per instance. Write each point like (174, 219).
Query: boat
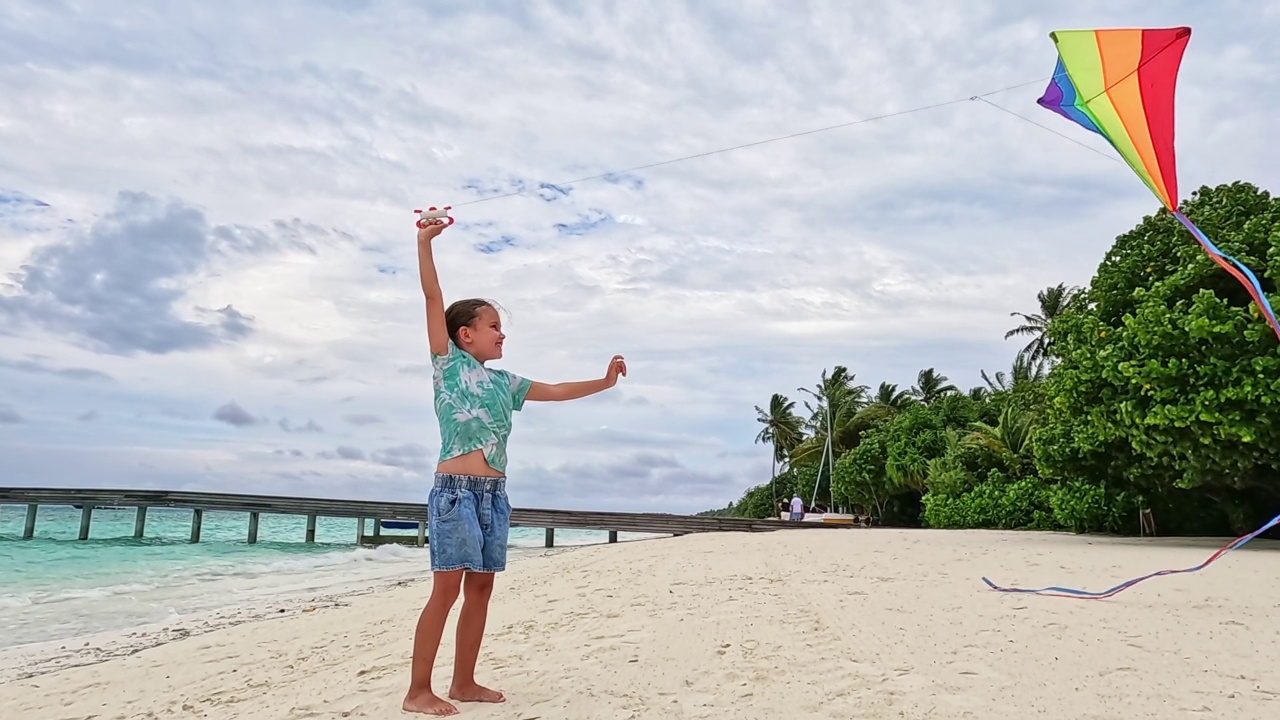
(399, 525)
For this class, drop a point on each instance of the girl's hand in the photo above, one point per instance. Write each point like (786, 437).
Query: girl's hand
(617, 366)
(433, 228)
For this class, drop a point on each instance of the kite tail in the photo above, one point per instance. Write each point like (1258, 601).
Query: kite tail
(1055, 591)
(1237, 270)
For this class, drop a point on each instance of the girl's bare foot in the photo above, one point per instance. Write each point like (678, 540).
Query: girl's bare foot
(428, 703)
(475, 693)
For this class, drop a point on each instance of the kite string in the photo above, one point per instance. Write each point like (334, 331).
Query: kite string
(791, 136)
(979, 98)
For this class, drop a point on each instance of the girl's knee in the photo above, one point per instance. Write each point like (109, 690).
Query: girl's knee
(446, 585)
(478, 585)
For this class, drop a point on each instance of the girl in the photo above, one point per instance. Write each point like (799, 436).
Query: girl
(468, 513)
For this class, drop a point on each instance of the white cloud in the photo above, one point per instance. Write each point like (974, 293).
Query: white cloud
(288, 143)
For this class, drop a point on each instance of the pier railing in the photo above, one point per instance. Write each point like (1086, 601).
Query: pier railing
(362, 510)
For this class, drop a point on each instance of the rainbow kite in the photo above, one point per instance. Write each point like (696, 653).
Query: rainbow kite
(1120, 84)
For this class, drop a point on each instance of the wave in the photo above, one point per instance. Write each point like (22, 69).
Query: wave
(208, 570)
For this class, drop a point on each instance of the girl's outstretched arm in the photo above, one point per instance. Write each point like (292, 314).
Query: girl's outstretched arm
(582, 388)
(437, 331)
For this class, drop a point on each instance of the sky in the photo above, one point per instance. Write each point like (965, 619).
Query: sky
(207, 261)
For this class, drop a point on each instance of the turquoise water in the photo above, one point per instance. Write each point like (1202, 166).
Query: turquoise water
(54, 586)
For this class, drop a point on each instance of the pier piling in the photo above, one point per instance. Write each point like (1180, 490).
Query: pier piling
(86, 517)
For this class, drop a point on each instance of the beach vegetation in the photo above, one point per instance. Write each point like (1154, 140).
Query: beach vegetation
(1154, 389)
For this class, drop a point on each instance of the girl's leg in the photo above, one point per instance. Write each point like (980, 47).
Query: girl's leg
(426, 641)
(477, 588)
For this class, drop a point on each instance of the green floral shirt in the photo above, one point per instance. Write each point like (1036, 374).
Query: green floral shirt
(474, 405)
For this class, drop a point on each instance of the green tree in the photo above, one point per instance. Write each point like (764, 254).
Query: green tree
(890, 396)
(838, 398)
(1023, 385)
(930, 386)
(1053, 302)
(1169, 381)
(1025, 369)
(783, 429)
(1010, 439)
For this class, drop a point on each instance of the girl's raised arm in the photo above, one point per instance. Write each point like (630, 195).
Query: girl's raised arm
(437, 331)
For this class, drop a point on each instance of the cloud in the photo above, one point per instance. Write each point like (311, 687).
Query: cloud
(585, 223)
(36, 364)
(233, 414)
(342, 452)
(642, 480)
(350, 453)
(363, 419)
(12, 201)
(628, 180)
(9, 416)
(21, 213)
(116, 287)
(310, 427)
(489, 247)
(410, 456)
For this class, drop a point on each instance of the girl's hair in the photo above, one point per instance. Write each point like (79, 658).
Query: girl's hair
(462, 313)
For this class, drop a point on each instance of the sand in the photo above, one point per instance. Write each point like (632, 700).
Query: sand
(844, 624)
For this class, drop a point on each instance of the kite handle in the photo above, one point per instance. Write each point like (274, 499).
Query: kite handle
(434, 213)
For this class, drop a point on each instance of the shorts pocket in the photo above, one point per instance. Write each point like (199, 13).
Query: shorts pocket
(446, 503)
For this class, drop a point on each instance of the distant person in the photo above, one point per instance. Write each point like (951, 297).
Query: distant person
(797, 508)
(468, 514)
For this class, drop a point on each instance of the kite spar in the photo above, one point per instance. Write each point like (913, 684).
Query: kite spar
(1120, 84)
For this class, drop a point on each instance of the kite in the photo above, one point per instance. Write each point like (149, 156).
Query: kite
(1120, 84)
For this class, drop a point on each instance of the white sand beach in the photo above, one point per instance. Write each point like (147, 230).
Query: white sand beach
(842, 624)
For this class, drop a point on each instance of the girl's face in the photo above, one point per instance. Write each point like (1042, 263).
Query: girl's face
(483, 337)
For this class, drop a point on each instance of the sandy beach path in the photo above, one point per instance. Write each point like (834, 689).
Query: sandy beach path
(845, 624)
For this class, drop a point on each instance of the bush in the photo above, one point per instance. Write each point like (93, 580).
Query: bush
(1168, 375)
(1083, 507)
(997, 502)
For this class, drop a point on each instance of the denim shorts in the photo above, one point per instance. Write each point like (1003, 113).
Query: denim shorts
(468, 518)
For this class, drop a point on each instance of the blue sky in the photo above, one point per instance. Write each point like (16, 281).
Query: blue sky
(207, 271)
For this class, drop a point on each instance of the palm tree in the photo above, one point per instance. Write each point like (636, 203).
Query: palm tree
(930, 386)
(891, 397)
(1024, 370)
(839, 399)
(782, 428)
(1054, 301)
(1010, 438)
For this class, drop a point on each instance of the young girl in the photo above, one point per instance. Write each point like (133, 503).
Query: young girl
(468, 514)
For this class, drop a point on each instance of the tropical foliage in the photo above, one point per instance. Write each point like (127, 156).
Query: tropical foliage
(1155, 388)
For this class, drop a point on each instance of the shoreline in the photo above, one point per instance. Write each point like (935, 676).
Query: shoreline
(34, 659)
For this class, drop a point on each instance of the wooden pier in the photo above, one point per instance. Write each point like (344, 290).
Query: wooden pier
(362, 510)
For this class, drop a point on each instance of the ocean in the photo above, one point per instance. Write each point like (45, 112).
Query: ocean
(55, 587)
